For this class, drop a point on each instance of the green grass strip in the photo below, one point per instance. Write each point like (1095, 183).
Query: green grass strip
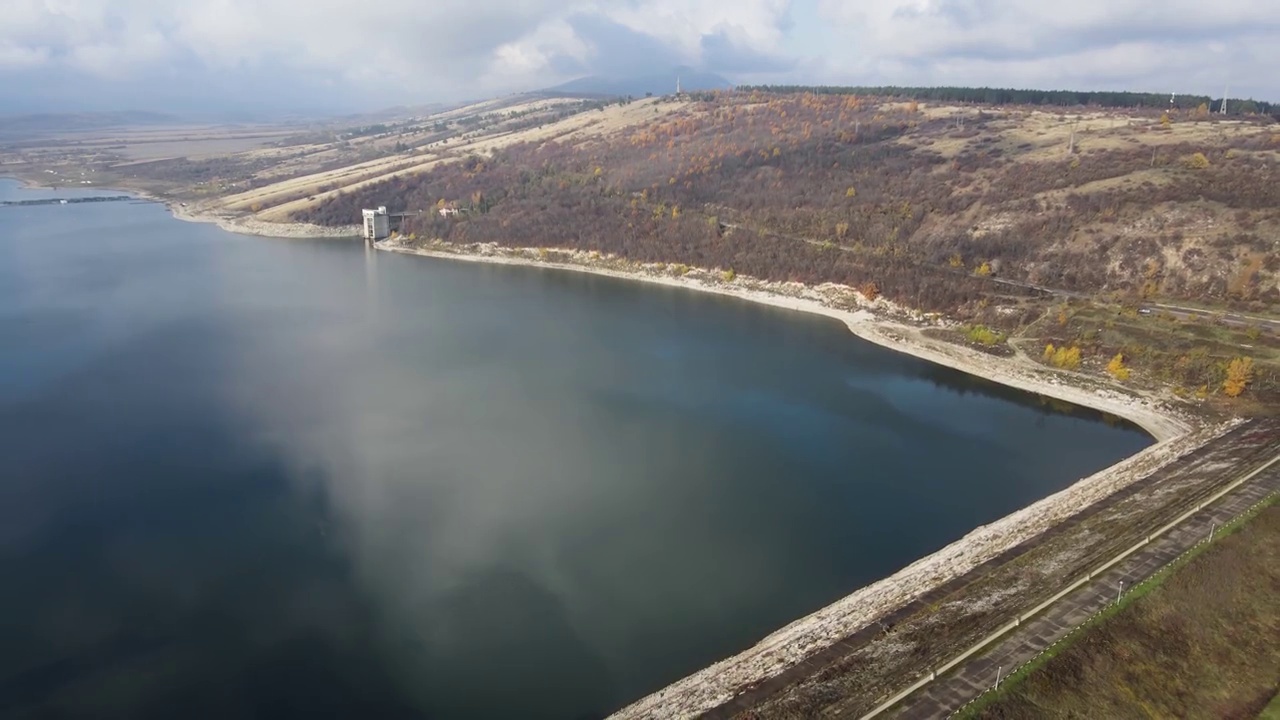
(1272, 711)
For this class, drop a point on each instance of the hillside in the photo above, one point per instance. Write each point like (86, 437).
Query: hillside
(1140, 244)
(1183, 211)
(999, 217)
(642, 85)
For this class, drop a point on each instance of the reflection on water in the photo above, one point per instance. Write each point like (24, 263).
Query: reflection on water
(281, 478)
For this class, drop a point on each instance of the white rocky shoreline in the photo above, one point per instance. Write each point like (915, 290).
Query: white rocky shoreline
(878, 321)
(1176, 432)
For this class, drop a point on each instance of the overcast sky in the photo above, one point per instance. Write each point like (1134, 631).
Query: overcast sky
(308, 55)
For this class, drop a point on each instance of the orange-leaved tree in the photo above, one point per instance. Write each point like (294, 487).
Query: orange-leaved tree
(1196, 161)
(1117, 367)
(1239, 375)
(1063, 357)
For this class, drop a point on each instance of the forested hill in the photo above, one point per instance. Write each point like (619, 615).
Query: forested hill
(1010, 96)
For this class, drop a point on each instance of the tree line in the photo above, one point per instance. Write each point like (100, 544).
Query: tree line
(1012, 96)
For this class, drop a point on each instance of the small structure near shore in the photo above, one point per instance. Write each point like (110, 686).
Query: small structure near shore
(377, 224)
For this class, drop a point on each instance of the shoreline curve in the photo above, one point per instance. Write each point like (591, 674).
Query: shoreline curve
(1158, 420)
(807, 636)
(1175, 434)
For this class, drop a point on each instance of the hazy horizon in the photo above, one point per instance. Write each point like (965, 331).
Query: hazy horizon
(287, 56)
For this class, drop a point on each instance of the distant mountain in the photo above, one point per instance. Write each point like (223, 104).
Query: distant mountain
(48, 123)
(399, 112)
(640, 85)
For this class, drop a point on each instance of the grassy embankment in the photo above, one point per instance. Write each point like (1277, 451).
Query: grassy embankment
(1272, 712)
(1196, 641)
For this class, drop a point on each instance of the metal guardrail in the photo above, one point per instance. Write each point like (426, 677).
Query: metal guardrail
(1119, 597)
(1023, 617)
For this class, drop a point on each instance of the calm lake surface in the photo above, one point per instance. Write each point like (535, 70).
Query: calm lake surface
(250, 477)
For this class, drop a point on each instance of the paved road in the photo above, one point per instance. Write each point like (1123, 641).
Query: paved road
(970, 679)
(1237, 319)
(1181, 312)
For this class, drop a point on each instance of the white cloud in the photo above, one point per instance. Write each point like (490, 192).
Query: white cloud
(532, 57)
(685, 22)
(406, 50)
(15, 56)
(435, 47)
(1138, 43)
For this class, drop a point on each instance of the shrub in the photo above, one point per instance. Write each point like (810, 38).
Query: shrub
(1239, 375)
(1196, 161)
(1063, 357)
(984, 335)
(1117, 368)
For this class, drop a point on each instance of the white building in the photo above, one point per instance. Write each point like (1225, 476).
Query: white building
(377, 224)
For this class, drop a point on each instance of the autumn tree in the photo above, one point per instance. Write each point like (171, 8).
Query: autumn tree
(984, 335)
(1063, 357)
(1117, 368)
(1239, 375)
(983, 270)
(870, 290)
(1196, 161)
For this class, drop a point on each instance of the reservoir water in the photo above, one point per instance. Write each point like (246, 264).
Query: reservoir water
(249, 477)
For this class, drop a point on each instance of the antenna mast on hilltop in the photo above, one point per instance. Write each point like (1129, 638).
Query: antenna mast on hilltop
(677, 84)
(1223, 110)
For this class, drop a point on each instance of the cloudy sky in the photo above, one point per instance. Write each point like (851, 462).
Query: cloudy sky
(308, 55)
